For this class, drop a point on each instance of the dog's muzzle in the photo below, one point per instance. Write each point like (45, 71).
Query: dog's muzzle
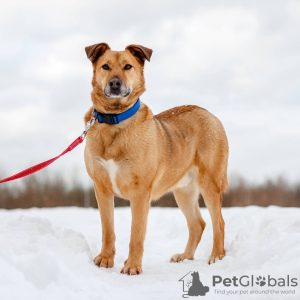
(116, 89)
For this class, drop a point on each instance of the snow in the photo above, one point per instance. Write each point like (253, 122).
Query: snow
(48, 253)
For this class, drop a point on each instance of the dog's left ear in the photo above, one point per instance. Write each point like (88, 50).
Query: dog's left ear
(141, 53)
(95, 51)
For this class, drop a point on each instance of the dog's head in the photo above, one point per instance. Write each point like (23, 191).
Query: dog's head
(118, 78)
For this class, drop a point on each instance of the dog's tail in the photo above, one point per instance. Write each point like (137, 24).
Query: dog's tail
(224, 183)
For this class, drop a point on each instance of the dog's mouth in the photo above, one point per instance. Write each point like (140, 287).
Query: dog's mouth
(116, 94)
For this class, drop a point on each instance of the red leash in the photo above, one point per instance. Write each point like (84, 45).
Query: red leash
(44, 164)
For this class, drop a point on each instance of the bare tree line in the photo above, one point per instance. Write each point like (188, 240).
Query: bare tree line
(41, 191)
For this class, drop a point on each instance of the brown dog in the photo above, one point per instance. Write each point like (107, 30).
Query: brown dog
(183, 149)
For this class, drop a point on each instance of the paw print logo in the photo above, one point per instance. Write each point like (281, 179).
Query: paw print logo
(261, 281)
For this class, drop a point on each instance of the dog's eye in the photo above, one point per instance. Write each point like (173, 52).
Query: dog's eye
(105, 67)
(127, 67)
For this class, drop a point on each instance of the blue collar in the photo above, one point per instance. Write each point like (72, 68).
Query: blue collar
(117, 118)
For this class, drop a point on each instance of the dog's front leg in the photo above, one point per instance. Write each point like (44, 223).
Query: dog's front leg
(139, 212)
(105, 201)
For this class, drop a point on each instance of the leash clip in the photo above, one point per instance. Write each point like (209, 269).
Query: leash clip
(89, 124)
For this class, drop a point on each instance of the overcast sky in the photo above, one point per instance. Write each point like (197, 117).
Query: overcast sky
(238, 59)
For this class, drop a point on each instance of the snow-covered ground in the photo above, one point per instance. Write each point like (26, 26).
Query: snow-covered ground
(48, 254)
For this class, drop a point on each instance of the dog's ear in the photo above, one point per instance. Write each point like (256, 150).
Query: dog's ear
(141, 53)
(95, 51)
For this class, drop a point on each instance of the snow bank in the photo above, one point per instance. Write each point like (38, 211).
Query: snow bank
(48, 253)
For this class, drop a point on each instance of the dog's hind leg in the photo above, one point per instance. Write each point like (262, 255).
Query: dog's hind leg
(213, 201)
(187, 200)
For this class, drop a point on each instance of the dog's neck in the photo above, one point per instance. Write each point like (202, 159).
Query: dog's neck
(117, 118)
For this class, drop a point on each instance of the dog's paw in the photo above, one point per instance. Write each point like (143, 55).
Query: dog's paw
(104, 261)
(131, 269)
(180, 257)
(214, 257)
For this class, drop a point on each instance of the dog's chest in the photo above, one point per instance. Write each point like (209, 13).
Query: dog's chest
(112, 168)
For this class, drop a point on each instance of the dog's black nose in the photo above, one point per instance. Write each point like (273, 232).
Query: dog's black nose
(115, 83)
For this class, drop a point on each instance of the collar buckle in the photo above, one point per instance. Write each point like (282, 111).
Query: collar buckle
(108, 118)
